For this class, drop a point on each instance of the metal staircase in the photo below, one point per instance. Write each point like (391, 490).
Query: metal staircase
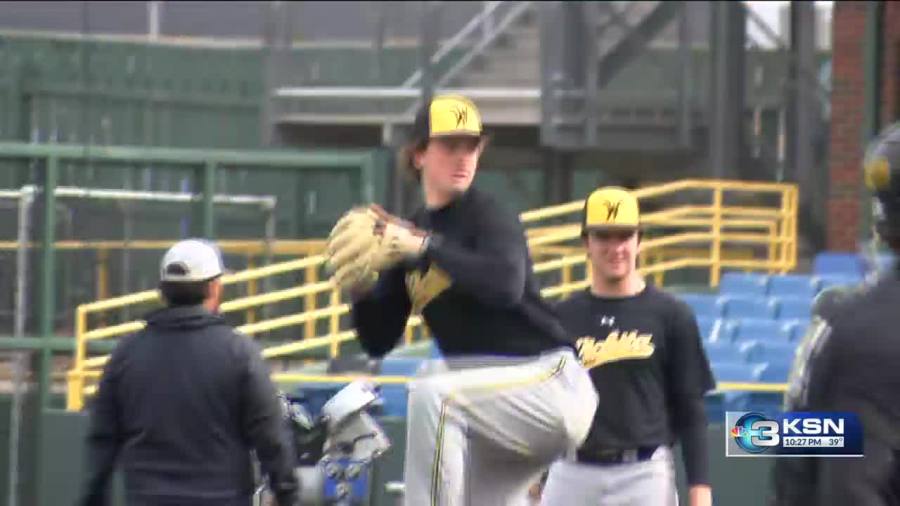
(496, 59)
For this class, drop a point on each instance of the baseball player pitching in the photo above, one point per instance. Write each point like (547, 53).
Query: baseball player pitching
(511, 396)
(643, 349)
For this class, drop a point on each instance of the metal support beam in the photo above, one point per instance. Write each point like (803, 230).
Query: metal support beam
(48, 274)
(685, 78)
(20, 359)
(428, 28)
(872, 70)
(47, 294)
(871, 124)
(727, 91)
(558, 176)
(277, 39)
(565, 37)
(207, 221)
(802, 113)
(636, 38)
(801, 103)
(380, 13)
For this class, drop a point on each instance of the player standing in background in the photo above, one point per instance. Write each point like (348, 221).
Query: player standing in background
(848, 361)
(513, 397)
(643, 349)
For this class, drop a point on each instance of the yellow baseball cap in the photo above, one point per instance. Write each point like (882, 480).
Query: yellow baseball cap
(611, 207)
(447, 115)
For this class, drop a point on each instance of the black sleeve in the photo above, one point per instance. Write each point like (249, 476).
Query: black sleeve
(264, 427)
(688, 378)
(103, 438)
(494, 271)
(568, 311)
(380, 316)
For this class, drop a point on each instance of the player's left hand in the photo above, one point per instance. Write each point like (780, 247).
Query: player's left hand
(401, 240)
(367, 240)
(700, 495)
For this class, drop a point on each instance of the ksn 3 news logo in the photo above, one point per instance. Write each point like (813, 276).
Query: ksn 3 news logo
(807, 434)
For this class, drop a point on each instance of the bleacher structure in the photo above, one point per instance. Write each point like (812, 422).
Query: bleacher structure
(752, 325)
(738, 238)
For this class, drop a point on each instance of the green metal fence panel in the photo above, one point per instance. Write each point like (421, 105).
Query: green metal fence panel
(65, 89)
(520, 190)
(584, 181)
(312, 190)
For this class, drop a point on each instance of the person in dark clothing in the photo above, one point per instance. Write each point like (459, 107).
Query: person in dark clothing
(645, 357)
(510, 396)
(848, 362)
(182, 403)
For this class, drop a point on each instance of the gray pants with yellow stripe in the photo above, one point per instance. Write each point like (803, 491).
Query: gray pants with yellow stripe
(480, 432)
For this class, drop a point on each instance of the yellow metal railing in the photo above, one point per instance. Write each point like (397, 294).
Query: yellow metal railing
(690, 224)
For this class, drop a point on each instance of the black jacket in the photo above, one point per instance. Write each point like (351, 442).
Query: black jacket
(181, 404)
(848, 362)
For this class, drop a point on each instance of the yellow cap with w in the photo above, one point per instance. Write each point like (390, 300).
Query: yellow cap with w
(611, 207)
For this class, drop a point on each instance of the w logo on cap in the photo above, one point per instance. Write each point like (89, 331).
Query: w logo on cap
(612, 210)
(462, 115)
(611, 206)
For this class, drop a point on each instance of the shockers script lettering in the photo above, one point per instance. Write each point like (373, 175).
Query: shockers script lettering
(617, 346)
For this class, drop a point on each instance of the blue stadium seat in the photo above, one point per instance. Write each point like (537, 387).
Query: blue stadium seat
(766, 402)
(748, 307)
(775, 372)
(715, 407)
(794, 329)
(793, 308)
(743, 283)
(394, 400)
(703, 305)
(829, 280)
(400, 366)
(792, 285)
(768, 351)
(707, 326)
(847, 264)
(735, 371)
(759, 329)
(724, 331)
(722, 352)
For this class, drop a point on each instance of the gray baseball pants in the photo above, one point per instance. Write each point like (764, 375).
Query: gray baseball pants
(480, 432)
(647, 483)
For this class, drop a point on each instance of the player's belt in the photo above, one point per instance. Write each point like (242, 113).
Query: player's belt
(611, 457)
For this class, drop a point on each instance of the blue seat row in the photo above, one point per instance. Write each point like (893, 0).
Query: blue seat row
(740, 306)
(796, 285)
(750, 352)
(732, 330)
(850, 264)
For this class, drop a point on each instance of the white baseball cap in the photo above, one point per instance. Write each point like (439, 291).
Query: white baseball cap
(190, 261)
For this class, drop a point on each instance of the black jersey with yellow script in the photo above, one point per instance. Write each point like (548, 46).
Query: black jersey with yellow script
(474, 286)
(646, 360)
